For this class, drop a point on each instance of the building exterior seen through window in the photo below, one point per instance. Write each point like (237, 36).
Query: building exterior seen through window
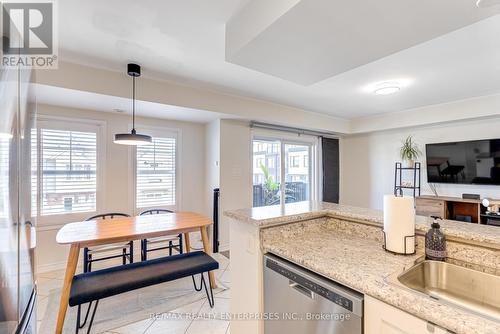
(156, 174)
(274, 161)
(66, 164)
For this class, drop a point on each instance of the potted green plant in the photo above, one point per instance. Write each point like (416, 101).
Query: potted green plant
(271, 189)
(409, 152)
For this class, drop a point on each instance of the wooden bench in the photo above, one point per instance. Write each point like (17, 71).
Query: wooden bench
(93, 286)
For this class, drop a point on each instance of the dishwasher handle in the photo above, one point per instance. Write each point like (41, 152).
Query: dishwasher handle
(302, 289)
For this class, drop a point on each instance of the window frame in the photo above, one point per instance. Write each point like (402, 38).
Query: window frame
(162, 132)
(72, 124)
(284, 138)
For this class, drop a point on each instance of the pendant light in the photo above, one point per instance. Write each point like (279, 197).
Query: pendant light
(133, 138)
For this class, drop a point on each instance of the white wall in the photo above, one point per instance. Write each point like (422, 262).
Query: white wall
(367, 160)
(462, 110)
(235, 172)
(118, 175)
(102, 81)
(228, 166)
(212, 159)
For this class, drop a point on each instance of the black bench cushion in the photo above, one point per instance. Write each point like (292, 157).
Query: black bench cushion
(112, 281)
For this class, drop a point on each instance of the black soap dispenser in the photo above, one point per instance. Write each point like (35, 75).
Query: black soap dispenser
(435, 242)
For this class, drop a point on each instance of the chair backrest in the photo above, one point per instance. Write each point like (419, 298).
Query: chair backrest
(155, 212)
(108, 216)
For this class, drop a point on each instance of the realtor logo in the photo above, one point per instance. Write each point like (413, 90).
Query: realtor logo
(28, 34)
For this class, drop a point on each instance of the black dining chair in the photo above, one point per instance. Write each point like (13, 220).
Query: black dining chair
(108, 251)
(169, 242)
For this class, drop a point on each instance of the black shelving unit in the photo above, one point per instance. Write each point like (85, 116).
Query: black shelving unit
(414, 172)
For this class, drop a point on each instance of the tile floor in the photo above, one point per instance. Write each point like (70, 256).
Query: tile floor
(194, 318)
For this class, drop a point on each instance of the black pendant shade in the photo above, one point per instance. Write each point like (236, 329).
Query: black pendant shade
(133, 138)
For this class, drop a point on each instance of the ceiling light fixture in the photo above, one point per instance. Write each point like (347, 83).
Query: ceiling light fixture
(487, 3)
(387, 88)
(133, 138)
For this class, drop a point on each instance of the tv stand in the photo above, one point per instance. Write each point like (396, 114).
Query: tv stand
(453, 208)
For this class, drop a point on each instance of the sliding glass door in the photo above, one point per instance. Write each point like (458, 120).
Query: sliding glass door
(281, 171)
(266, 172)
(297, 172)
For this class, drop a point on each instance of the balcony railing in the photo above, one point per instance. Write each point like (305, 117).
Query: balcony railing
(294, 192)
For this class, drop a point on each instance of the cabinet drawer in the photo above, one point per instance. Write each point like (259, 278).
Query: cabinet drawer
(430, 207)
(381, 318)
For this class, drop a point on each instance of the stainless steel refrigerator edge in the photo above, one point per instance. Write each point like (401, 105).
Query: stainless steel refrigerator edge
(17, 227)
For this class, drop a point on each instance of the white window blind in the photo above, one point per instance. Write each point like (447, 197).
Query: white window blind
(68, 165)
(155, 173)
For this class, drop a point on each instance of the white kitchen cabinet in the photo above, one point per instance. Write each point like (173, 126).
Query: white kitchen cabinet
(247, 275)
(381, 318)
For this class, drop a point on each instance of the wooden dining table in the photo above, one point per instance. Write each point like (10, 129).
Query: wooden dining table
(100, 232)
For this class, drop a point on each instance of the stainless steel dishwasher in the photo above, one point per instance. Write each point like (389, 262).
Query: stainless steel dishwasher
(297, 301)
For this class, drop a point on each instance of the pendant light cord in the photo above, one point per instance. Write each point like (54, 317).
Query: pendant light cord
(133, 138)
(133, 104)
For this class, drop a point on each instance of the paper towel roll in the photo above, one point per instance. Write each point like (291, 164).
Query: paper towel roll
(399, 221)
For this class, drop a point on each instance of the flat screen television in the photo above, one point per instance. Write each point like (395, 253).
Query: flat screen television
(465, 162)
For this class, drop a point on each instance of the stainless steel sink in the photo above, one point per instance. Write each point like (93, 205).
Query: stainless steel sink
(470, 289)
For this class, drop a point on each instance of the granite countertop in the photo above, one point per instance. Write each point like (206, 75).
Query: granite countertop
(309, 234)
(361, 263)
(263, 217)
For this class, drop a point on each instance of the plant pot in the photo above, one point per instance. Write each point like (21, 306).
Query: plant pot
(410, 163)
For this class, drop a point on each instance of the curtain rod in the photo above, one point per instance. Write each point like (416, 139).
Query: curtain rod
(299, 131)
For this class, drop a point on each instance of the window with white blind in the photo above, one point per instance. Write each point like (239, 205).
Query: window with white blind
(156, 173)
(65, 171)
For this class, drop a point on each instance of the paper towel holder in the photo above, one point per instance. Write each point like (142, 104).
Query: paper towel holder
(405, 252)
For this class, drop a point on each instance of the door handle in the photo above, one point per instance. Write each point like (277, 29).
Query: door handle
(302, 289)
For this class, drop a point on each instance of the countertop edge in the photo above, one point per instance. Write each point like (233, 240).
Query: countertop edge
(453, 230)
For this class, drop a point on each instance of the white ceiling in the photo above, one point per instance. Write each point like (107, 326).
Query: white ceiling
(64, 97)
(314, 40)
(185, 41)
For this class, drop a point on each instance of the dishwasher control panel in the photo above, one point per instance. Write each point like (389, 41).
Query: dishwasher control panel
(310, 285)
